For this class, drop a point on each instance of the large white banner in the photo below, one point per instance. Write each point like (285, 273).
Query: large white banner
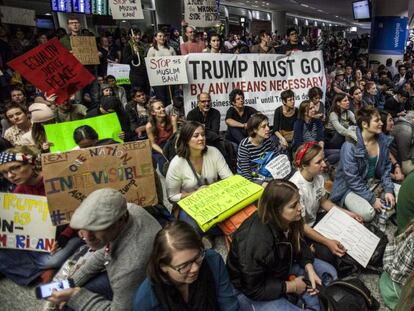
(201, 13)
(262, 78)
(25, 223)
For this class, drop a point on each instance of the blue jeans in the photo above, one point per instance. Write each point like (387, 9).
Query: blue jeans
(325, 271)
(23, 267)
(332, 155)
(235, 134)
(100, 285)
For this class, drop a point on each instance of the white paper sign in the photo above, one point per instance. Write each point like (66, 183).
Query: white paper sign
(18, 16)
(126, 9)
(201, 13)
(25, 223)
(359, 242)
(120, 72)
(167, 70)
(279, 167)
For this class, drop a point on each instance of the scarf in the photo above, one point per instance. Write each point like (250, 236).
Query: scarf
(202, 293)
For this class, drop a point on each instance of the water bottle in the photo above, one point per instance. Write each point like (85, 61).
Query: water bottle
(382, 220)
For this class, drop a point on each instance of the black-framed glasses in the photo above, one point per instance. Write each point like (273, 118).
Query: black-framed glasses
(186, 267)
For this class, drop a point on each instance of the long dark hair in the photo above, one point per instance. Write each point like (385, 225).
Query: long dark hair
(84, 132)
(276, 196)
(155, 43)
(186, 132)
(153, 120)
(335, 107)
(175, 236)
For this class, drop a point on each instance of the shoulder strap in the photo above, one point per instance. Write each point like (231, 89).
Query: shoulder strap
(199, 182)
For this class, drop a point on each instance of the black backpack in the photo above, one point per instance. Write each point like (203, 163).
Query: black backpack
(345, 295)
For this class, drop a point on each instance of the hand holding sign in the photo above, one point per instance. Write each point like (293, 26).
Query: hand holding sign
(51, 68)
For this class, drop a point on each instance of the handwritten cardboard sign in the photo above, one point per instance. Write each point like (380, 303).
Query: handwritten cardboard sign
(61, 134)
(51, 68)
(220, 200)
(201, 13)
(85, 50)
(166, 70)
(70, 176)
(279, 167)
(126, 9)
(120, 72)
(18, 16)
(25, 223)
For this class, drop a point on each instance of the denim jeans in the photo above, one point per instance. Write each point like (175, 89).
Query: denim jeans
(23, 267)
(325, 271)
(100, 285)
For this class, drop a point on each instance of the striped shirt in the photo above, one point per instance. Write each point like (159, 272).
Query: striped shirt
(248, 152)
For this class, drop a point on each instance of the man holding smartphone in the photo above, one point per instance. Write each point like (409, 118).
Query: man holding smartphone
(122, 235)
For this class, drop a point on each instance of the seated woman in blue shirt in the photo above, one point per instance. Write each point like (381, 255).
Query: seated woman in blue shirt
(362, 163)
(182, 275)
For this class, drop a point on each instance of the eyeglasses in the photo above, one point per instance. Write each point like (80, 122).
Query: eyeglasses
(12, 170)
(186, 267)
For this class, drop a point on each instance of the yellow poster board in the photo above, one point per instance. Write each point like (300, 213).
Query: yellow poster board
(220, 200)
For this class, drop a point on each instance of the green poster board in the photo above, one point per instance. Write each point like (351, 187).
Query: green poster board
(61, 134)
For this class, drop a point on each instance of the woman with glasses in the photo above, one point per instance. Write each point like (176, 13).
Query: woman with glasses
(269, 260)
(21, 166)
(181, 275)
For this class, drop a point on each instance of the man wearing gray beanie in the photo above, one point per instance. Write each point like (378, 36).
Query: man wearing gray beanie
(122, 236)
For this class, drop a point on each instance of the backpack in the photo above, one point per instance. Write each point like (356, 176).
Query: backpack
(345, 295)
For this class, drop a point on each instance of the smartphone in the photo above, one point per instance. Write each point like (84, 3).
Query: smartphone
(44, 291)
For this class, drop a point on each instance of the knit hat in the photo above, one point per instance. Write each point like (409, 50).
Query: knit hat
(41, 113)
(101, 209)
(105, 86)
(339, 72)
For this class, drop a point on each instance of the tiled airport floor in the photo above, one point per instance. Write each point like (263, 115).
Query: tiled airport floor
(17, 298)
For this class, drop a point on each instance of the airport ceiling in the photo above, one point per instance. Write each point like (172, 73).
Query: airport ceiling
(339, 11)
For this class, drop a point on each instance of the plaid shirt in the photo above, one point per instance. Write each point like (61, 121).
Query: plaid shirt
(399, 258)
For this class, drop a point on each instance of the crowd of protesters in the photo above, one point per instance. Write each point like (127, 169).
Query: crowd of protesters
(347, 145)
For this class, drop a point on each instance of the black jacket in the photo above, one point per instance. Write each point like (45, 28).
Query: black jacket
(260, 259)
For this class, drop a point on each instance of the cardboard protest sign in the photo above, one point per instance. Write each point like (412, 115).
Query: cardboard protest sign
(166, 70)
(85, 50)
(220, 200)
(126, 9)
(201, 13)
(261, 77)
(25, 223)
(61, 134)
(51, 68)
(70, 176)
(120, 72)
(17, 16)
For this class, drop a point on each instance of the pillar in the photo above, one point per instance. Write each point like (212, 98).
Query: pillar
(279, 22)
(169, 12)
(388, 30)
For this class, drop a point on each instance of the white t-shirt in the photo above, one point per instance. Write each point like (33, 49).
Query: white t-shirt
(180, 178)
(311, 192)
